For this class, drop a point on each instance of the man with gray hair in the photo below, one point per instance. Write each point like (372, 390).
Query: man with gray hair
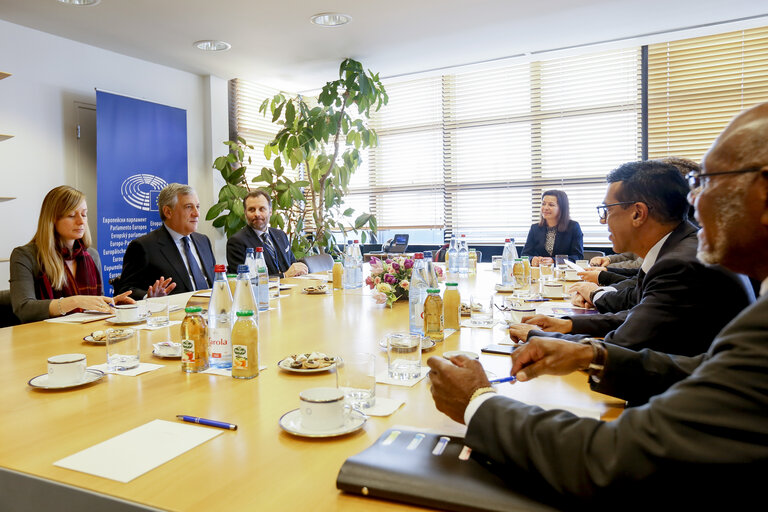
(174, 258)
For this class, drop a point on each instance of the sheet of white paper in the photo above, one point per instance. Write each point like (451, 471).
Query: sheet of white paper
(133, 453)
(206, 293)
(79, 318)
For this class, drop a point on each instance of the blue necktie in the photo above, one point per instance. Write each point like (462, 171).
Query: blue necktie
(270, 249)
(200, 282)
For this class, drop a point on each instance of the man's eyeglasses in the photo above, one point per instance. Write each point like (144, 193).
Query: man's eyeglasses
(602, 210)
(695, 177)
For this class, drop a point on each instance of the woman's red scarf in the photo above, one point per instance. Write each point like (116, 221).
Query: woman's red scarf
(86, 281)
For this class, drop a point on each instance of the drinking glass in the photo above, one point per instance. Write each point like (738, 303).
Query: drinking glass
(122, 349)
(404, 355)
(560, 265)
(157, 311)
(482, 309)
(356, 374)
(274, 287)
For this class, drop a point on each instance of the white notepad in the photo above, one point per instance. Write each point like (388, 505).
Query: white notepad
(133, 453)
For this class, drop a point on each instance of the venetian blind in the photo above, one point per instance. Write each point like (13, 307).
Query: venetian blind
(472, 152)
(696, 86)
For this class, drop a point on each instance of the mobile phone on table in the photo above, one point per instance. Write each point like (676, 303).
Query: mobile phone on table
(498, 349)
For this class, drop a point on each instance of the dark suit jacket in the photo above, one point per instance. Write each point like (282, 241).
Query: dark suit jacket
(246, 238)
(703, 437)
(568, 242)
(681, 303)
(155, 254)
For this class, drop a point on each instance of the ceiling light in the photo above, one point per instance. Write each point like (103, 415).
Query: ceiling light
(330, 19)
(79, 3)
(212, 45)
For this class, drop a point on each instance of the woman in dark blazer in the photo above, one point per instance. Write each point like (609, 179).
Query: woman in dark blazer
(555, 233)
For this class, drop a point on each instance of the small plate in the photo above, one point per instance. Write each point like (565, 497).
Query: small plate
(284, 365)
(291, 423)
(426, 344)
(316, 292)
(505, 289)
(466, 353)
(91, 375)
(162, 356)
(166, 352)
(90, 339)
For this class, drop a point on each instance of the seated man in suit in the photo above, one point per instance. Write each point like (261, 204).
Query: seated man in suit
(645, 209)
(173, 258)
(277, 250)
(702, 436)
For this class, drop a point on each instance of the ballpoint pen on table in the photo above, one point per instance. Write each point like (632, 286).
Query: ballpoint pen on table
(210, 423)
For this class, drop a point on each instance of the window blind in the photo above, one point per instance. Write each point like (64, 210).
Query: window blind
(696, 86)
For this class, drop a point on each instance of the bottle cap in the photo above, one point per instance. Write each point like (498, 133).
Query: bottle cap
(418, 256)
(259, 249)
(427, 254)
(507, 240)
(242, 268)
(247, 312)
(233, 276)
(357, 241)
(463, 236)
(433, 290)
(193, 309)
(451, 284)
(248, 251)
(220, 268)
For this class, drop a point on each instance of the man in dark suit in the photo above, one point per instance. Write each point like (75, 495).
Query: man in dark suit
(277, 249)
(645, 209)
(702, 436)
(173, 258)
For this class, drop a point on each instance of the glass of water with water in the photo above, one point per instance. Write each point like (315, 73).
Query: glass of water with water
(157, 311)
(356, 374)
(122, 349)
(404, 355)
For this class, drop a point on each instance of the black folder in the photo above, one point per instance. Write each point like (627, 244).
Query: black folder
(408, 466)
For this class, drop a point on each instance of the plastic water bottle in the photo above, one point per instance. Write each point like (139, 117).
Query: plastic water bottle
(417, 292)
(250, 261)
(245, 298)
(507, 262)
(262, 292)
(463, 256)
(453, 256)
(357, 256)
(430, 272)
(220, 321)
(349, 267)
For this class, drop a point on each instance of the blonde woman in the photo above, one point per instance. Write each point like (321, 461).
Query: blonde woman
(57, 272)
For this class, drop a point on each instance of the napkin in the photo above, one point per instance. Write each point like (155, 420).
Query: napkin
(142, 368)
(384, 378)
(469, 323)
(383, 407)
(79, 318)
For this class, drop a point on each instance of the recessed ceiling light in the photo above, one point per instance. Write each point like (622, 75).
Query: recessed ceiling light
(212, 45)
(330, 19)
(79, 3)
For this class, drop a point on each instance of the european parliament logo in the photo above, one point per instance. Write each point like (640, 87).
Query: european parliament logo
(141, 191)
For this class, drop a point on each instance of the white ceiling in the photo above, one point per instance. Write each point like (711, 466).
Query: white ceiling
(274, 43)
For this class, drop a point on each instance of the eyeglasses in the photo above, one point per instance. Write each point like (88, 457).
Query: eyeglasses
(602, 210)
(695, 177)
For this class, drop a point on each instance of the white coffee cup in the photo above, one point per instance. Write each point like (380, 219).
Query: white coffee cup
(582, 263)
(552, 290)
(127, 313)
(66, 369)
(571, 275)
(322, 408)
(516, 314)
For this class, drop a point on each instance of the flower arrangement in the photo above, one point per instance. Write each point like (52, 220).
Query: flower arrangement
(391, 278)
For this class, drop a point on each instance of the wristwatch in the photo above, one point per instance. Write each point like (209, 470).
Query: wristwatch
(596, 368)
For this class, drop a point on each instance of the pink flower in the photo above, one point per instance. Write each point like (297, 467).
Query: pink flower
(388, 261)
(439, 271)
(404, 284)
(408, 264)
(369, 281)
(380, 298)
(376, 280)
(376, 268)
(396, 266)
(389, 278)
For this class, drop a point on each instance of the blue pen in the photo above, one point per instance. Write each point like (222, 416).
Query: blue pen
(210, 423)
(505, 379)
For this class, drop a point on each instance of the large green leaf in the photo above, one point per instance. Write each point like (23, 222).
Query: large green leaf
(215, 210)
(220, 221)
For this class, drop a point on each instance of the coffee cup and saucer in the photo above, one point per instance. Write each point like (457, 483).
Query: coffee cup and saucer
(126, 314)
(66, 371)
(322, 413)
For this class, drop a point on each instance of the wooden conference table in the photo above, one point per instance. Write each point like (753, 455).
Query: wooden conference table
(259, 466)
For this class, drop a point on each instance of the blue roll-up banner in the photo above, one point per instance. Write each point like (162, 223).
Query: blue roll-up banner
(140, 148)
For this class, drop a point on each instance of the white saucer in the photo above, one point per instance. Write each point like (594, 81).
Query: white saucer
(41, 381)
(90, 339)
(114, 321)
(466, 353)
(504, 289)
(283, 364)
(291, 423)
(165, 356)
(167, 352)
(426, 344)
